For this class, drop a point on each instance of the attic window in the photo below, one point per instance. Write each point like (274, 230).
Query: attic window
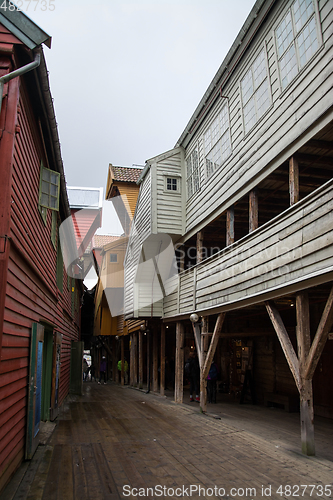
(172, 184)
(113, 257)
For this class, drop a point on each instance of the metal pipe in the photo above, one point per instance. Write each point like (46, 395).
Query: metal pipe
(18, 72)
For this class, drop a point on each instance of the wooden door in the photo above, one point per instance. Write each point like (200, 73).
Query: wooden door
(34, 389)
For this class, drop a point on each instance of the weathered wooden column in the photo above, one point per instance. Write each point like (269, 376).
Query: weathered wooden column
(200, 247)
(148, 360)
(140, 359)
(204, 349)
(306, 395)
(155, 359)
(179, 363)
(135, 359)
(253, 210)
(114, 360)
(122, 373)
(230, 237)
(162, 371)
(131, 360)
(293, 180)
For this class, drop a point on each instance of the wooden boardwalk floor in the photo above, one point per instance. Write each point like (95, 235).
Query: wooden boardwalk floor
(113, 439)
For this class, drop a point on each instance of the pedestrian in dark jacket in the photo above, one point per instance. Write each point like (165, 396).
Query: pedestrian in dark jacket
(102, 370)
(192, 371)
(212, 382)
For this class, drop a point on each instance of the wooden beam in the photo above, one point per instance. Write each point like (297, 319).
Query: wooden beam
(200, 238)
(122, 373)
(131, 363)
(230, 226)
(319, 341)
(203, 354)
(140, 359)
(253, 210)
(197, 339)
(284, 341)
(114, 360)
(293, 180)
(135, 359)
(306, 394)
(213, 344)
(162, 371)
(155, 359)
(179, 363)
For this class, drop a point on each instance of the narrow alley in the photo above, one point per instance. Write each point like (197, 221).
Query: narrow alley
(119, 442)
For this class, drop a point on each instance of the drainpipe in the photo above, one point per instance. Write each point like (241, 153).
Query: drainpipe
(18, 72)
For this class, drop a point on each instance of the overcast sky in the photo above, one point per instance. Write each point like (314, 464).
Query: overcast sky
(127, 75)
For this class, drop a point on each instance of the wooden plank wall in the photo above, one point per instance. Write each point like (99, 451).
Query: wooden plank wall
(291, 248)
(140, 230)
(169, 204)
(291, 113)
(31, 294)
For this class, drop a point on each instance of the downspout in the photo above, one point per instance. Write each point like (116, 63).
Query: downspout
(18, 72)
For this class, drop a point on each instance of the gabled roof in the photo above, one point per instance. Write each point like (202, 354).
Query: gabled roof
(23, 27)
(124, 174)
(99, 240)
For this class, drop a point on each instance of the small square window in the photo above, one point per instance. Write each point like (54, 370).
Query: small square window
(113, 257)
(172, 184)
(49, 189)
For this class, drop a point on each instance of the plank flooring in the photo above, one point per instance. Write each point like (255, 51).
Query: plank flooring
(114, 436)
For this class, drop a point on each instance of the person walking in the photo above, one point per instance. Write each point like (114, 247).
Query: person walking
(211, 383)
(192, 371)
(102, 370)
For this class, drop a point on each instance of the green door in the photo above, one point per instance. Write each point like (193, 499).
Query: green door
(34, 389)
(47, 374)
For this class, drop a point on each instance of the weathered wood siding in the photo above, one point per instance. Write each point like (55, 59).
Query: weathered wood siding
(291, 113)
(131, 193)
(140, 230)
(169, 204)
(32, 294)
(294, 247)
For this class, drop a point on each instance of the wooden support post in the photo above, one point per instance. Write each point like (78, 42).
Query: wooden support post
(148, 360)
(122, 373)
(230, 226)
(114, 360)
(200, 238)
(135, 358)
(162, 371)
(285, 342)
(179, 363)
(155, 359)
(202, 359)
(321, 336)
(306, 396)
(293, 180)
(253, 210)
(140, 359)
(131, 360)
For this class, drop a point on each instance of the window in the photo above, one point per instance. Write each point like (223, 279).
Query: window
(192, 173)
(216, 140)
(172, 184)
(296, 39)
(49, 189)
(255, 92)
(113, 257)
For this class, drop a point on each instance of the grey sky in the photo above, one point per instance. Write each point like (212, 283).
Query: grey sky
(126, 75)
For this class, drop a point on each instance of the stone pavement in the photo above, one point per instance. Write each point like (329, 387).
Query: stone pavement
(117, 442)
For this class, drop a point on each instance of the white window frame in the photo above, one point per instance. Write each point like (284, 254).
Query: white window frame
(49, 188)
(218, 134)
(253, 95)
(192, 165)
(293, 43)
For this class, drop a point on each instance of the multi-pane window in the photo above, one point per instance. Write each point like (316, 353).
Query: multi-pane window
(192, 173)
(49, 189)
(113, 257)
(256, 97)
(172, 184)
(217, 145)
(296, 39)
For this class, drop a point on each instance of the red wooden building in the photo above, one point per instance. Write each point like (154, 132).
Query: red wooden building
(39, 302)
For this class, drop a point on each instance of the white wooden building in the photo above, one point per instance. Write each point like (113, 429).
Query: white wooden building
(246, 197)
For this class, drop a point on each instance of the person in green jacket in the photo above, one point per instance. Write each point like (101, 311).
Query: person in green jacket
(125, 370)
